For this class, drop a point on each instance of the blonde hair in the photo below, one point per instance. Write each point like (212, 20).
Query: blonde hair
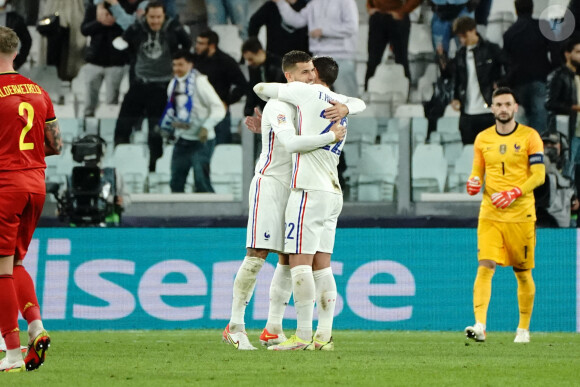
(8, 41)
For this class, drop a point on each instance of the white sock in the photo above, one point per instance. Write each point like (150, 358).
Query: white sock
(243, 289)
(325, 302)
(14, 355)
(304, 296)
(34, 329)
(280, 292)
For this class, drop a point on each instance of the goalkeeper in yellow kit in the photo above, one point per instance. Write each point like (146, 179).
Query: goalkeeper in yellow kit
(510, 156)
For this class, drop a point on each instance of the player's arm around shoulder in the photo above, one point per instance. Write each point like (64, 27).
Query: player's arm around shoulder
(267, 90)
(52, 138)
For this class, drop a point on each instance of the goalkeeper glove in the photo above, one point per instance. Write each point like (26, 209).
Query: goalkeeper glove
(505, 198)
(473, 185)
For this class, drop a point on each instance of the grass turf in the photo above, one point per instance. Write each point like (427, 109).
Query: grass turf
(361, 358)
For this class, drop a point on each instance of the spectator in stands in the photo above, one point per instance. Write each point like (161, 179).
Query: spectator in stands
(125, 12)
(555, 199)
(333, 28)
(562, 99)
(477, 71)
(225, 76)
(527, 51)
(219, 11)
(192, 111)
(263, 67)
(193, 15)
(65, 49)
(152, 41)
(280, 37)
(13, 20)
(104, 61)
(28, 9)
(482, 9)
(444, 13)
(389, 24)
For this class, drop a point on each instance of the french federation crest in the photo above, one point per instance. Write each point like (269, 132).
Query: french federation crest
(517, 147)
(502, 148)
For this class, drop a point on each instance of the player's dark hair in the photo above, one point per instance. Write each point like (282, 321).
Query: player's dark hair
(327, 69)
(154, 4)
(252, 45)
(524, 7)
(290, 59)
(211, 36)
(8, 41)
(463, 24)
(572, 42)
(183, 54)
(502, 91)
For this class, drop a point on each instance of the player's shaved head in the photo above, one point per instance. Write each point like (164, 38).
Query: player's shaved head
(8, 41)
(327, 69)
(292, 58)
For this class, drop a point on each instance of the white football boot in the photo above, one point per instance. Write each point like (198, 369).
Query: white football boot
(476, 332)
(522, 336)
(239, 339)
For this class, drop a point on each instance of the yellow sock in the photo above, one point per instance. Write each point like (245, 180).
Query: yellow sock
(526, 293)
(482, 293)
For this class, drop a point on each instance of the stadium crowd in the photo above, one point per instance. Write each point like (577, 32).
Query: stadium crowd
(444, 60)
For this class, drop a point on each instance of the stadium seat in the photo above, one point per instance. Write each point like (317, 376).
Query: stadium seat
(409, 111)
(108, 110)
(226, 169)
(107, 130)
(362, 130)
(132, 164)
(425, 83)
(388, 88)
(420, 39)
(450, 112)
(562, 124)
(498, 23)
(448, 128)
(158, 181)
(461, 170)
(377, 173)
(429, 170)
(419, 128)
(230, 41)
(70, 128)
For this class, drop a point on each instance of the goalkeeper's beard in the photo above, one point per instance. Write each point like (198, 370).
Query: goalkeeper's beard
(504, 120)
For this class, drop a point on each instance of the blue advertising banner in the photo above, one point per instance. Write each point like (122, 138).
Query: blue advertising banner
(168, 278)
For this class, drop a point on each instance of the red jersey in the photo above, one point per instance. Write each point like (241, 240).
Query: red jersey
(24, 109)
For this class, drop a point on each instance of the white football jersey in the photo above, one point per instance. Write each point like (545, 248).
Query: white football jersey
(315, 170)
(275, 160)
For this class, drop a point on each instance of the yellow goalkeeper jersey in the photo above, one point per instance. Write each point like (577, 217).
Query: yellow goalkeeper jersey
(506, 161)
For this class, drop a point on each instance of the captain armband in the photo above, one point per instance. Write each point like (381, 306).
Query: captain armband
(536, 158)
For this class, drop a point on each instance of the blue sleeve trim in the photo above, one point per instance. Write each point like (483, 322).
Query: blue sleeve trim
(537, 158)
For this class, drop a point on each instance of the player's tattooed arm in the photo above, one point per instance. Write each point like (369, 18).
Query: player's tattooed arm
(52, 138)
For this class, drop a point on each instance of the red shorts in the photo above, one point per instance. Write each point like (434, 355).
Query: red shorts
(19, 214)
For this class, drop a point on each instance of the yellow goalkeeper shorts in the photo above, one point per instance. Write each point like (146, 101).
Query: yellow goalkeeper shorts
(507, 244)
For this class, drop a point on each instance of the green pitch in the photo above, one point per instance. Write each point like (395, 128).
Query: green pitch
(394, 358)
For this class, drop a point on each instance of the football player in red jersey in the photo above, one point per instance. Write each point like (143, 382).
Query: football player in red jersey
(29, 132)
